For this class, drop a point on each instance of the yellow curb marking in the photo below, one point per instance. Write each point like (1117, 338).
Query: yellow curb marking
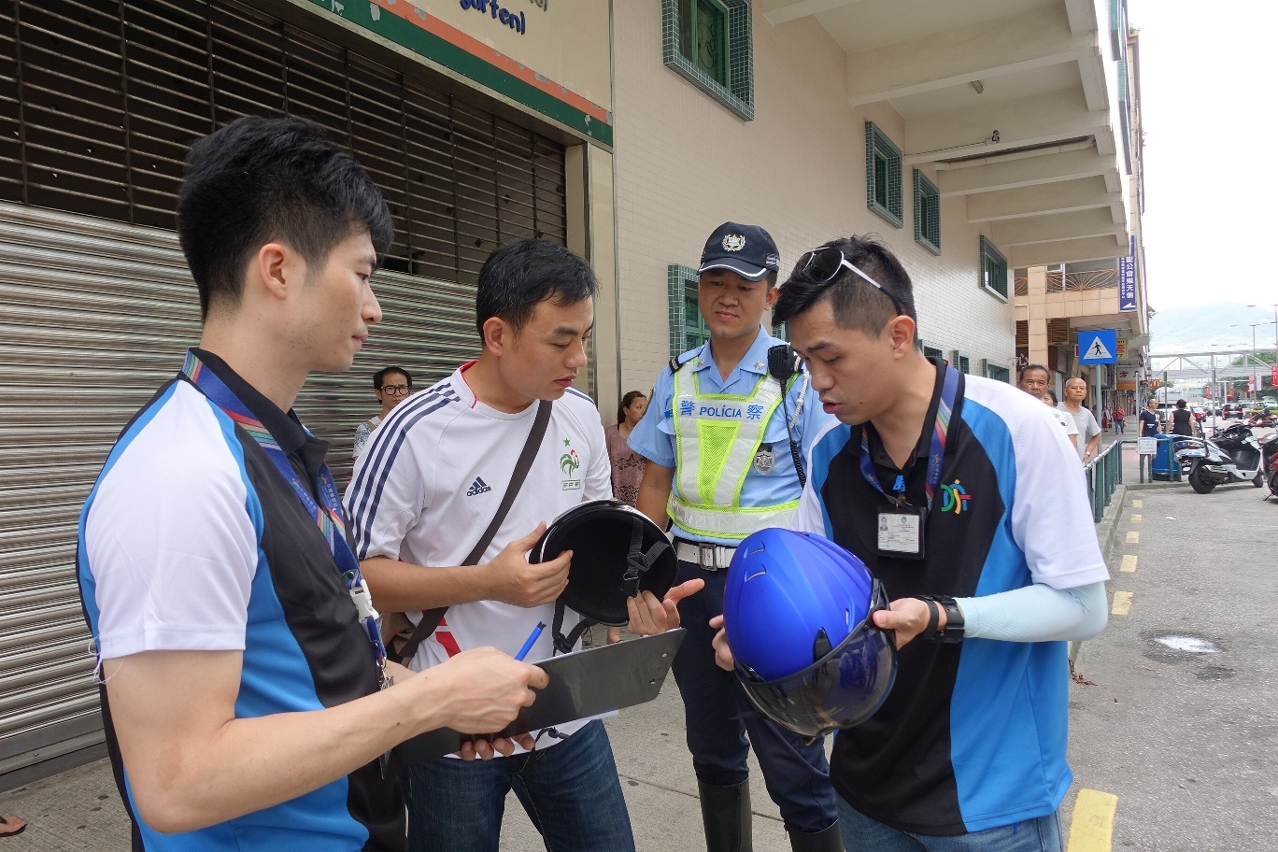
(1138, 504)
(1136, 519)
(1092, 828)
(1129, 563)
(1133, 537)
(1122, 603)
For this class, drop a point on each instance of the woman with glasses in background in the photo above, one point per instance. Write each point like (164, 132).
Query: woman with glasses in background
(392, 386)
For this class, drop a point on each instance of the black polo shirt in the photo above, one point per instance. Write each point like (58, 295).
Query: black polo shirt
(972, 736)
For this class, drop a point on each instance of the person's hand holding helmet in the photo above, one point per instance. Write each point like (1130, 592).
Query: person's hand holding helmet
(623, 571)
(649, 615)
(907, 617)
(722, 653)
(512, 579)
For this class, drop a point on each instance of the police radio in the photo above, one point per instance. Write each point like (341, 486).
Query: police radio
(783, 365)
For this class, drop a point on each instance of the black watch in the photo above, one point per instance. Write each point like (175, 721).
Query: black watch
(953, 632)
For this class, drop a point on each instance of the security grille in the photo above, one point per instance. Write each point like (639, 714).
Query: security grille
(98, 102)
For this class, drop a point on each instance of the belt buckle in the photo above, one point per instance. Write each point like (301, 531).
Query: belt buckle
(707, 551)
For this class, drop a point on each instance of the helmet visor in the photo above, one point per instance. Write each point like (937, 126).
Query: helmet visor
(842, 689)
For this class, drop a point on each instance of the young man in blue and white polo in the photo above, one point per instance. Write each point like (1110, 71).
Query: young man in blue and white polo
(244, 696)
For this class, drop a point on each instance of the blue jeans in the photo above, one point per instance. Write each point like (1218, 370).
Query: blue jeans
(862, 834)
(718, 716)
(570, 791)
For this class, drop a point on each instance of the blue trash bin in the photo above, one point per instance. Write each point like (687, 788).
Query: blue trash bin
(1165, 466)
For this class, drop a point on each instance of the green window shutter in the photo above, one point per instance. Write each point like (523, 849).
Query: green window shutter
(993, 270)
(994, 371)
(961, 362)
(703, 37)
(710, 44)
(687, 327)
(883, 175)
(927, 213)
(932, 352)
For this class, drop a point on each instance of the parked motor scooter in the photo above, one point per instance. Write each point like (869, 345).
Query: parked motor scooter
(1269, 453)
(1231, 455)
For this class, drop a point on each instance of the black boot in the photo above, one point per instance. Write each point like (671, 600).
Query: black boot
(828, 840)
(725, 813)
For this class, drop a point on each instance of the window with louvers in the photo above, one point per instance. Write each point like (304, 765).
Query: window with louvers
(98, 101)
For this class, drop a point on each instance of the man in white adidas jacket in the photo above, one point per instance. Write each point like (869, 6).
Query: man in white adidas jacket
(426, 487)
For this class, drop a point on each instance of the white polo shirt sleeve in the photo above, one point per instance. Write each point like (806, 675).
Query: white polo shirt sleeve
(171, 535)
(385, 501)
(1051, 516)
(598, 484)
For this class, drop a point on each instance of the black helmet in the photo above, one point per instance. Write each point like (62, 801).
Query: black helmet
(617, 552)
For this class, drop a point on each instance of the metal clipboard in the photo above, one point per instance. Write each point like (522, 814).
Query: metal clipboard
(589, 682)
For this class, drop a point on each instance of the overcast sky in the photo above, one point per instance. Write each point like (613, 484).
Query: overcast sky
(1207, 71)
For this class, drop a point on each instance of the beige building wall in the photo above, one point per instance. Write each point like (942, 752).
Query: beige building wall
(685, 164)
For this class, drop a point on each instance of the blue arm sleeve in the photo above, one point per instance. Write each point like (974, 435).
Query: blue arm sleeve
(1037, 613)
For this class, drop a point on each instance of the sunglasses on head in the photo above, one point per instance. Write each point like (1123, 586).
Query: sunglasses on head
(824, 264)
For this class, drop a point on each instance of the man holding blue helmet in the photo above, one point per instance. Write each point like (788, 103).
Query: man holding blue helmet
(956, 492)
(722, 437)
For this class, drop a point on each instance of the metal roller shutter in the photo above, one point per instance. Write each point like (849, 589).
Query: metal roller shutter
(98, 101)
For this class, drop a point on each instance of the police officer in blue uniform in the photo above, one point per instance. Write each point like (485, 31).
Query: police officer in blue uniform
(723, 436)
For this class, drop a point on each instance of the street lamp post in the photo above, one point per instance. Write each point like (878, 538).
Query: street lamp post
(1255, 389)
(1273, 305)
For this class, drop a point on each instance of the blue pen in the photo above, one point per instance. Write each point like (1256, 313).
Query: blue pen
(532, 638)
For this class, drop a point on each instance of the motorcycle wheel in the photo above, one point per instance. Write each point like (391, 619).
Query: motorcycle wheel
(1259, 481)
(1197, 482)
(1273, 485)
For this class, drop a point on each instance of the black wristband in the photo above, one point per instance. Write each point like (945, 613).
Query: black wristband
(933, 615)
(954, 622)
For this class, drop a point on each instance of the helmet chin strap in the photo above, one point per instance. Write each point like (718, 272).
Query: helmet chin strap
(565, 644)
(638, 562)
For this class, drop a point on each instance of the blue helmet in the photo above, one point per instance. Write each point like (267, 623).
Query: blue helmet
(797, 613)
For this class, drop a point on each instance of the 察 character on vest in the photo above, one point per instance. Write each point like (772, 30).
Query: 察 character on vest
(722, 436)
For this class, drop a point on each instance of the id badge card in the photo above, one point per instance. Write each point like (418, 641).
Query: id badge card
(901, 531)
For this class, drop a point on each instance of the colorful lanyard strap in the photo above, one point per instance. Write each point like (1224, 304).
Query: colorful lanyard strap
(949, 392)
(327, 514)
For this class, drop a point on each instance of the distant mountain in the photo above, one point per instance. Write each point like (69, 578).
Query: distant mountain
(1195, 329)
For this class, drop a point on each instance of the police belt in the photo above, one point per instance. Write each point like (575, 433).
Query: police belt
(711, 557)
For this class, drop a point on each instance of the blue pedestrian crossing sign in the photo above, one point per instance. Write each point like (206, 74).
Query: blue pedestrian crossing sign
(1098, 347)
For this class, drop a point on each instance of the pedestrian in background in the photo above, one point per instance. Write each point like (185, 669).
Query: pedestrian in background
(1034, 379)
(1067, 422)
(1120, 419)
(392, 386)
(1149, 419)
(1182, 420)
(627, 465)
(1088, 439)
